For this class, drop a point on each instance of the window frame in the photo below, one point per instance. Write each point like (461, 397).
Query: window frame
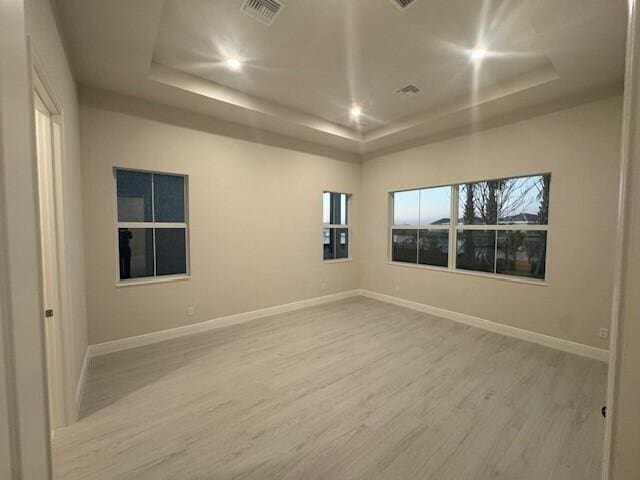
(346, 226)
(454, 227)
(152, 225)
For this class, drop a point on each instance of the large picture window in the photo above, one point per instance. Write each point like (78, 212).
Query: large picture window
(500, 226)
(151, 224)
(335, 222)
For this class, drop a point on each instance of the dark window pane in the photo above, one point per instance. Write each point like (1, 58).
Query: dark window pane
(334, 208)
(136, 252)
(435, 206)
(433, 247)
(342, 243)
(476, 250)
(168, 194)
(525, 200)
(404, 246)
(522, 253)
(134, 196)
(328, 243)
(405, 207)
(171, 257)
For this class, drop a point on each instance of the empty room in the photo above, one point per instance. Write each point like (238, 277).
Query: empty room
(336, 239)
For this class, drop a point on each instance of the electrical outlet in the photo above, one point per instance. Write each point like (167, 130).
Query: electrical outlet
(323, 286)
(397, 288)
(190, 311)
(603, 333)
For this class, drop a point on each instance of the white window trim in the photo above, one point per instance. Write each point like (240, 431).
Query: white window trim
(453, 227)
(346, 226)
(153, 225)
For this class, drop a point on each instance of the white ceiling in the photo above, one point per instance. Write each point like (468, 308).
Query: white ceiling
(302, 74)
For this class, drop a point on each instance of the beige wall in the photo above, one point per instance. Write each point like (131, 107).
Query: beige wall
(46, 40)
(255, 215)
(581, 149)
(239, 187)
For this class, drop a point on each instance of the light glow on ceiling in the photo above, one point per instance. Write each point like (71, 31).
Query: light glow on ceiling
(233, 64)
(356, 112)
(478, 54)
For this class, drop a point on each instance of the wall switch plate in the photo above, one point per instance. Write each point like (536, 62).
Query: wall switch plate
(190, 311)
(603, 333)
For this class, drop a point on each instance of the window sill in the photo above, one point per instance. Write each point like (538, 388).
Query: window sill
(152, 280)
(338, 260)
(504, 278)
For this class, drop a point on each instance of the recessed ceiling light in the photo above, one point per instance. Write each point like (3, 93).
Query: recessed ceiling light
(478, 54)
(233, 64)
(356, 111)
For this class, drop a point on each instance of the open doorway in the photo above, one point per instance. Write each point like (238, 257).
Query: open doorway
(49, 152)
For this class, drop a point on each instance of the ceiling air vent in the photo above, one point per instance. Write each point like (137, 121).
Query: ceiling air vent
(265, 11)
(402, 4)
(408, 90)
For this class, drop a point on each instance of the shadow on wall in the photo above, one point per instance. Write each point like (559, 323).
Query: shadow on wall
(106, 100)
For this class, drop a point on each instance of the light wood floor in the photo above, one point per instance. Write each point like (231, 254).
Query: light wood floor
(356, 389)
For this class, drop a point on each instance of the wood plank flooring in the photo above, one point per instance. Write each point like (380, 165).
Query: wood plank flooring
(356, 389)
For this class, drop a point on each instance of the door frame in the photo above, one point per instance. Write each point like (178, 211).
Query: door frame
(629, 138)
(44, 88)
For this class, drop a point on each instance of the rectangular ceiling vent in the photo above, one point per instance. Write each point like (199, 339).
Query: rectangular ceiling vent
(265, 11)
(402, 4)
(408, 90)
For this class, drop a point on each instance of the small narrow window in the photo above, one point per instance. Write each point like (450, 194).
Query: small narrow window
(151, 224)
(335, 221)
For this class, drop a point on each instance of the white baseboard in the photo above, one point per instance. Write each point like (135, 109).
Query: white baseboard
(546, 340)
(155, 337)
(82, 381)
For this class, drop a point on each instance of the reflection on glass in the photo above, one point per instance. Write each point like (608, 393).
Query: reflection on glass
(134, 196)
(326, 208)
(478, 203)
(135, 248)
(343, 209)
(404, 246)
(522, 253)
(435, 206)
(523, 200)
(405, 207)
(168, 198)
(328, 243)
(334, 208)
(476, 250)
(342, 243)
(433, 247)
(170, 251)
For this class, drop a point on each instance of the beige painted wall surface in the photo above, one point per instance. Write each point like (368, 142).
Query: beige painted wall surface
(255, 214)
(46, 40)
(581, 149)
